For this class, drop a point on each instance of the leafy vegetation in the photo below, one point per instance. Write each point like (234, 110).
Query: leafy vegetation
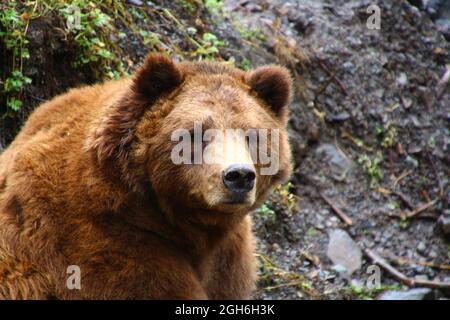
(208, 47)
(13, 28)
(365, 293)
(92, 27)
(214, 6)
(268, 214)
(281, 199)
(273, 278)
(372, 167)
(387, 136)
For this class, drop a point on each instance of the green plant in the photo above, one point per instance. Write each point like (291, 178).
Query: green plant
(187, 6)
(251, 33)
(12, 87)
(214, 6)
(285, 196)
(89, 25)
(245, 64)
(13, 28)
(149, 38)
(281, 198)
(209, 46)
(311, 232)
(267, 214)
(372, 167)
(365, 293)
(272, 277)
(136, 13)
(90, 28)
(387, 136)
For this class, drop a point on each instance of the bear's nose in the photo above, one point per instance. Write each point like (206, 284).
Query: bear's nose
(239, 178)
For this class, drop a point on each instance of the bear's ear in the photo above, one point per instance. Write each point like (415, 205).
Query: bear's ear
(273, 84)
(111, 140)
(158, 75)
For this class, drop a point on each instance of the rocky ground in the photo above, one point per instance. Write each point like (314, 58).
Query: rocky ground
(370, 132)
(369, 126)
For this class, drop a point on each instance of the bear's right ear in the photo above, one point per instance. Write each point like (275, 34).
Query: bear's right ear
(110, 142)
(158, 75)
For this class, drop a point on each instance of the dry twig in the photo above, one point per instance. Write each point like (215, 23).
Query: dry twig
(344, 217)
(405, 199)
(401, 277)
(420, 209)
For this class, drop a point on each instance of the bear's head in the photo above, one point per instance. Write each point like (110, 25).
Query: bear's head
(203, 137)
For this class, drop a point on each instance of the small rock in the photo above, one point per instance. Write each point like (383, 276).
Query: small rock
(413, 294)
(379, 93)
(276, 247)
(312, 133)
(402, 79)
(343, 251)
(135, 2)
(338, 117)
(253, 7)
(338, 162)
(422, 277)
(444, 223)
(421, 247)
(412, 162)
(414, 149)
(340, 269)
(407, 102)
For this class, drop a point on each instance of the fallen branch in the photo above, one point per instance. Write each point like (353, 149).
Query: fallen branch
(284, 285)
(338, 211)
(376, 259)
(405, 261)
(420, 209)
(333, 77)
(401, 177)
(405, 199)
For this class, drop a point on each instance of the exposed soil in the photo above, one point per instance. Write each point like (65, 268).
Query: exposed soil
(362, 95)
(357, 83)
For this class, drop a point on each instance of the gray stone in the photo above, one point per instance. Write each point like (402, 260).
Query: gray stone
(402, 79)
(444, 222)
(343, 251)
(421, 247)
(413, 294)
(337, 161)
(135, 2)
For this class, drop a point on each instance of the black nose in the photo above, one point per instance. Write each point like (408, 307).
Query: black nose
(239, 178)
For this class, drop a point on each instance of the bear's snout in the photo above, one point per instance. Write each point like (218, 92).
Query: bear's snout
(239, 179)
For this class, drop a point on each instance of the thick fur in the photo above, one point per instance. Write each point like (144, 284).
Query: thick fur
(89, 182)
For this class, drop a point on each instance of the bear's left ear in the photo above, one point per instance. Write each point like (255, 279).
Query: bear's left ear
(273, 84)
(111, 140)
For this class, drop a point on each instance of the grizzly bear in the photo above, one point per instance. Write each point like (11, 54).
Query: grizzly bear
(90, 184)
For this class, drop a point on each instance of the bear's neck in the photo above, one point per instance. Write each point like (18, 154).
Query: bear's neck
(195, 232)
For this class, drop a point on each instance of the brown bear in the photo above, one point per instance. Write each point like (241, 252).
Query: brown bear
(90, 182)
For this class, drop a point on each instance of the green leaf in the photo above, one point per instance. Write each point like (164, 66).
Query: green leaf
(14, 104)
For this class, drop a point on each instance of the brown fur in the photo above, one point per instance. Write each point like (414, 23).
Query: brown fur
(89, 182)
